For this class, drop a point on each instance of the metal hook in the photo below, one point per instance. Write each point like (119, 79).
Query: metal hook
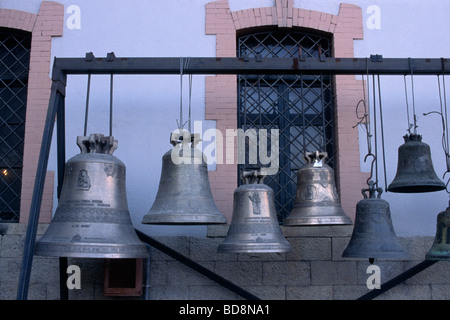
(371, 167)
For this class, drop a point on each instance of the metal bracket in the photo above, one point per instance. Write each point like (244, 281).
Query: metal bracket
(376, 58)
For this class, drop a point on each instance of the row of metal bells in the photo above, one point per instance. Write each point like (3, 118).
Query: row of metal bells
(92, 218)
(373, 233)
(316, 201)
(415, 172)
(184, 194)
(440, 250)
(254, 226)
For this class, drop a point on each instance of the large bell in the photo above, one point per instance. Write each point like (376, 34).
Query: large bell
(415, 172)
(316, 201)
(92, 218)
(184, 194)
(440, 250)
(373, 234)
(254, 226)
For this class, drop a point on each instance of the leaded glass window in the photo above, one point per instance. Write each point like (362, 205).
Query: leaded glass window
(14, 67)
(299, 106)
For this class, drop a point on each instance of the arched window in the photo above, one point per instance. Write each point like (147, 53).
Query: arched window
(299, 106)
(14, 66)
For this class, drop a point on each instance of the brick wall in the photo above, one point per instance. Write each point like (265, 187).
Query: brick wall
(43, 26)
(221, 91)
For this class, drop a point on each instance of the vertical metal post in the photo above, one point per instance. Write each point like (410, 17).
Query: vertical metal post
(61, 151)
(56, 98)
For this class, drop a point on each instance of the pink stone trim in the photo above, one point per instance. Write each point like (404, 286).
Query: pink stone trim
(43, 26)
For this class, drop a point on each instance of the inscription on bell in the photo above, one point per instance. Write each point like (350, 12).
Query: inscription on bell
(86, 203)
(257, 220)
(256, 202)
(84, 182)
(309, 192)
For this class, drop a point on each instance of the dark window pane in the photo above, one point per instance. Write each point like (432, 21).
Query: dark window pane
(300, 107)
(14, 67)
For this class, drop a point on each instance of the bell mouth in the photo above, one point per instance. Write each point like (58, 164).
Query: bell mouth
(416, 188)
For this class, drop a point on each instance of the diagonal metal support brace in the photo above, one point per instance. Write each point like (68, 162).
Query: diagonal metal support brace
(398, 279)
(195, 266)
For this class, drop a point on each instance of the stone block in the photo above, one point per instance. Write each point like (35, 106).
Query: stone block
(349, 292)
(10, 270)
(178, 273)
(205, 249)
(317, 231)
(268, 292)
(417, 247)
(45, 270)
(440, 292)
(287, 273)
(8, 290)
(241, 273)
(407, 292)
(158, 273)
(85, 293)
(12, 245)
(212, 292)
(179, 244)
(262, 256)
(310, 249)
(37, 291)
(338, 246)
(438, 273)
(332, 272)
(309, 292)
(179, 292)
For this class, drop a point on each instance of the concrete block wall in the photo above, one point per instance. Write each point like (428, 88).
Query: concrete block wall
(313, 270)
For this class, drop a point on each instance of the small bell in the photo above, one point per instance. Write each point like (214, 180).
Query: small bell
(373, 234)
(317, 201)
(415, 172)
(440, 249)
(92, 218)
(184, 195)
(254, 225)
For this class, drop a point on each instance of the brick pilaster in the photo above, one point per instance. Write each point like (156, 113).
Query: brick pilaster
(43, 26)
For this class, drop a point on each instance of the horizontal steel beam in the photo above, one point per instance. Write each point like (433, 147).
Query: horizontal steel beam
(375, 64)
